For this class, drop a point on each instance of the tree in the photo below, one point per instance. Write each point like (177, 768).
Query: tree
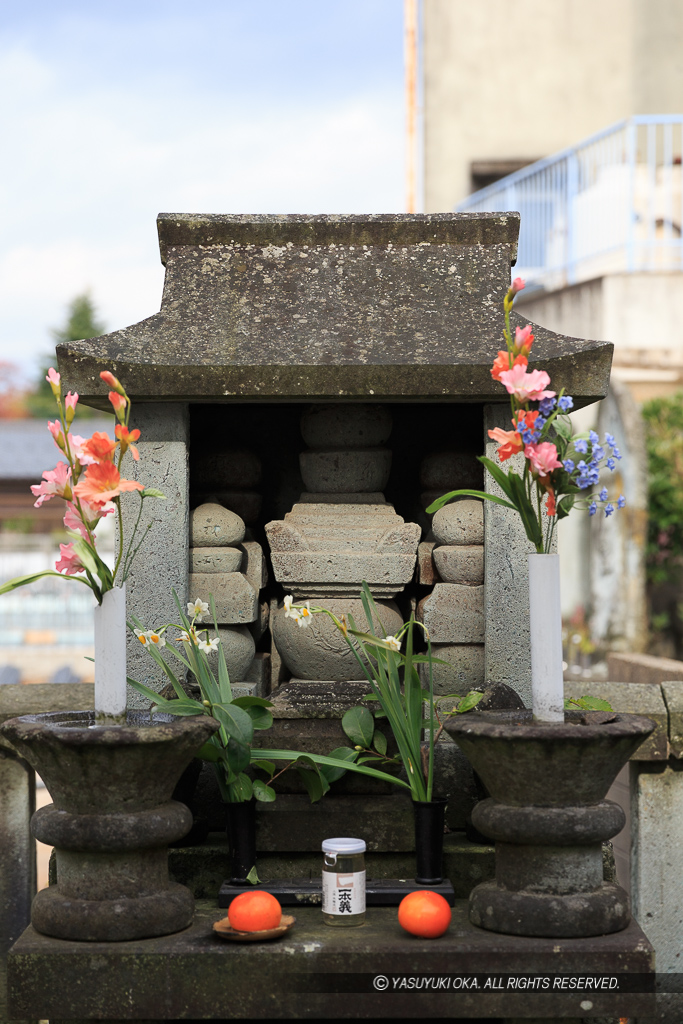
(81, 323)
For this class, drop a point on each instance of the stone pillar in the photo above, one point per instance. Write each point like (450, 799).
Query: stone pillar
(161, 565)
(18, 874)
(506, 580)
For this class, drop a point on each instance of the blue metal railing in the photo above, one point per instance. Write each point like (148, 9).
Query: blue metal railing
(612, 204)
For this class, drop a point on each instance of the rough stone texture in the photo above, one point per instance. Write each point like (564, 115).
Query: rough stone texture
(450, 471)
(460, 564)
(657, 861)
(319, 651)
(238, 648)
(342, 498)
(19, 699)
(235, 598)
(508, 651)
(260, 624)
(109, 832)
(330, 426)
(212, 525)
(672, 693)
(254, 566)
(161, 565)
(464, 671)
(215, 559)
(427, 574)
(345, 471)
(334, 307)
(59, 981)
(245, 504)
(461, 522)
(236, 468)
(258, 673)
(632, 699)
(330, 549)
(642, 668)
(453, 614)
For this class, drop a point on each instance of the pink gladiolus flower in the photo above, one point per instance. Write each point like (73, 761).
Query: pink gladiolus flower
(502, 363)
(100, 446)
(111, 381)
(103, 482)
(543, 458)
(56, 431)
(69, 563)
(517, 285)
(53, 379)
(126, 437)
(73, 520)
(524, 339)
(526, 386)
(55, 482)
(77, 447)
(119, 402)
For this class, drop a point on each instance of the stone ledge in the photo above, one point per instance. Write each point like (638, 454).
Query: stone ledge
(194, 975)
(35, 698)
(632, 699)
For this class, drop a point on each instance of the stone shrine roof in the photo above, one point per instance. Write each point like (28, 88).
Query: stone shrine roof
(288, 308)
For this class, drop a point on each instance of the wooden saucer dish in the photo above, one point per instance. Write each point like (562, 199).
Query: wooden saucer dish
(222, 928)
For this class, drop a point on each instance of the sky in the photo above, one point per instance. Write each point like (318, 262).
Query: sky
(111, 112)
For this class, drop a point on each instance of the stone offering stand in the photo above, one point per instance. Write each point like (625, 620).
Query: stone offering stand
(308, 387)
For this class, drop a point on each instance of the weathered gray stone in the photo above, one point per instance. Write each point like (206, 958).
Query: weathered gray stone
(331, 549)
(346, 426)
(161, 565)
(464, 671)
(212, 525)
(460, 563)
(342, 498)
(236, 600)
(258, 674)
(427, 573)
(461, 522)
(260, 624)
(508, 651)
(319, 651)
(215, 559)
(642, 668)
(450, 471)
(301, 307)
(453, 614)
(365, 469)
(238, 649)
(254, 564)
(236, 469)
(672, 693)
(632, 699)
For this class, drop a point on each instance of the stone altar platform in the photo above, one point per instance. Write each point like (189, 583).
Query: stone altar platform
(317, 972)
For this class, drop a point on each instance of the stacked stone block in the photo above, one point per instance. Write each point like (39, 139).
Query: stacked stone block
(232, 569)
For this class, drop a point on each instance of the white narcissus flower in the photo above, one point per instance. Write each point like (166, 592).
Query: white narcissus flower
(197, 608)
(300, 613)
(143, 638)
(208, 646)
(156, 638)
(393, 642)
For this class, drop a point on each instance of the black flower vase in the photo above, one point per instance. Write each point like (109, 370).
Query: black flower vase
(241, 829)
(429, 824)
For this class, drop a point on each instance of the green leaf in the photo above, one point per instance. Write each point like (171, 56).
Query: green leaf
(484, 495)
(469, 701)
(588, 703)
(23, 581)
(565, 505)
(210, 752)
(253, 876)
(323, 761)
(252, 702)
(359, 726)
(151, 492)
(315, 782)
(342, 754)
(379, 742)
(261, 718)
(266, 766)
(241, 789)
(235, 721)
(239, 754)
(266, 794)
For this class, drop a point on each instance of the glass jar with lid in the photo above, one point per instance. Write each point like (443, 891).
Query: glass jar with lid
(344, 881)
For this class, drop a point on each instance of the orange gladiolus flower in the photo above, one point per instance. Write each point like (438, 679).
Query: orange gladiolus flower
(510, 441)
(126, 437)
(102, 483)
(502, 363)
(100, 446)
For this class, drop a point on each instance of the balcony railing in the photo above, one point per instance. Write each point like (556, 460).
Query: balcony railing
(612, 204)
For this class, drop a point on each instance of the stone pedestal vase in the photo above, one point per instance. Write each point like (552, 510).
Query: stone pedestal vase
(548, 814)
(111, 820)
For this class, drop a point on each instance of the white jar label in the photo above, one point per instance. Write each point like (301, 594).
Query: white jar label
(343, 893)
